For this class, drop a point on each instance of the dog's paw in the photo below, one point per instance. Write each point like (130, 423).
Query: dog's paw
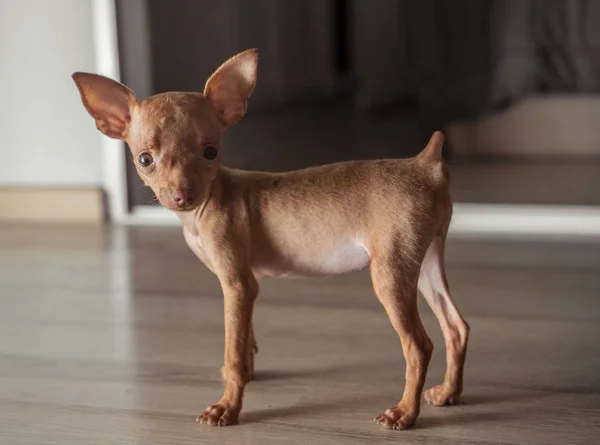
(220, 414)
(442, 395)
(397, 418)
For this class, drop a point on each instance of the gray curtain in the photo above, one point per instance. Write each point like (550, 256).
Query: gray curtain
(190, 38)
(463, 58)
(379, 52)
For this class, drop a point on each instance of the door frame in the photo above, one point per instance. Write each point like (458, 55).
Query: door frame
(106, 60)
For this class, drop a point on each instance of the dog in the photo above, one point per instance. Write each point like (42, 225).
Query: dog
(389, 215)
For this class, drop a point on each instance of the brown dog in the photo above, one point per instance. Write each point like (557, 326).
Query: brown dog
(391, 215)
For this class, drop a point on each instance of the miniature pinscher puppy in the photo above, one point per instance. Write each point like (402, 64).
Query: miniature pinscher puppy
(389, 215)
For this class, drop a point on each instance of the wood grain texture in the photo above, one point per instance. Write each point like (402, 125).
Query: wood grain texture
(116, 337)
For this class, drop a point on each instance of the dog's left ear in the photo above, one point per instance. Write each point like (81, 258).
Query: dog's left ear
(229, 88)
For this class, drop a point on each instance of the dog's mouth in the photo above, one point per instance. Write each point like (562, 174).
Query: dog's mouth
(175, 208)
(187, 208)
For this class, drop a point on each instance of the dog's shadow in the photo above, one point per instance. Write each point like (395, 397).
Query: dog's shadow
(270, 375)
(446, 417)
(450, 417)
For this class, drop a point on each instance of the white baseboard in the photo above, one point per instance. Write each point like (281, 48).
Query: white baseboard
(527, 220)
(469, 220)
(60, 205)
(151, 216)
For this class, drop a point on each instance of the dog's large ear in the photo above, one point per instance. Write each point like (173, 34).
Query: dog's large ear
(108, 101)
(229, 88)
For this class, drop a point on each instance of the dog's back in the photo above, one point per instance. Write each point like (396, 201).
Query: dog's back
(339, 211)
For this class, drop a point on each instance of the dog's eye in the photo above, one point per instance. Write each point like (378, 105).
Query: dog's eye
(145, 159)
(210, 152)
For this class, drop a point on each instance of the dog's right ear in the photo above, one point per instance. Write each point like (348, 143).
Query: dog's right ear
(109, 102)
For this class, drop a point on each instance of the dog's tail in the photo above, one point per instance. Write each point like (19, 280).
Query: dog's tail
(431, 158)
(433, 151)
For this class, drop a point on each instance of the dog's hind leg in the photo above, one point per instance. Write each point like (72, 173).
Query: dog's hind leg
(395, 283)
(434, 287)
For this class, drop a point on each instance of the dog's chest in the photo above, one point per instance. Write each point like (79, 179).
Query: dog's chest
(193, 239)
(194, 242)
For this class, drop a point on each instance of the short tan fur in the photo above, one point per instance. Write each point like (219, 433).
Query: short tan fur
(389, 215)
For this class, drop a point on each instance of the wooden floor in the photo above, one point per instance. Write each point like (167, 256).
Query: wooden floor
(115, 337)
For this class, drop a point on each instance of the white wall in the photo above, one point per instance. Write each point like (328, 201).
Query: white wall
(47, 138)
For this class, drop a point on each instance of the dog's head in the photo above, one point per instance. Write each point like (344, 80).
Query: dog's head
(175, 138)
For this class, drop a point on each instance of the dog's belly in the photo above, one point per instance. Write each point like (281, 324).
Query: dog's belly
(306, 261)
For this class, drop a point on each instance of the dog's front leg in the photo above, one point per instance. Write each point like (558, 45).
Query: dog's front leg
(239, 293)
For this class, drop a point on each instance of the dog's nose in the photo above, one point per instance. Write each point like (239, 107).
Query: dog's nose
(182, 198)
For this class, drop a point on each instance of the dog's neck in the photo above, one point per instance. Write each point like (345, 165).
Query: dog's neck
(191, 219)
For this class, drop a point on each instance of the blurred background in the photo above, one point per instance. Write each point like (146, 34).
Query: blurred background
(110, 328)
(514, 85)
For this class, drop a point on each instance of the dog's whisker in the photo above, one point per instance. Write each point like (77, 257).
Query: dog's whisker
(153, 202)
